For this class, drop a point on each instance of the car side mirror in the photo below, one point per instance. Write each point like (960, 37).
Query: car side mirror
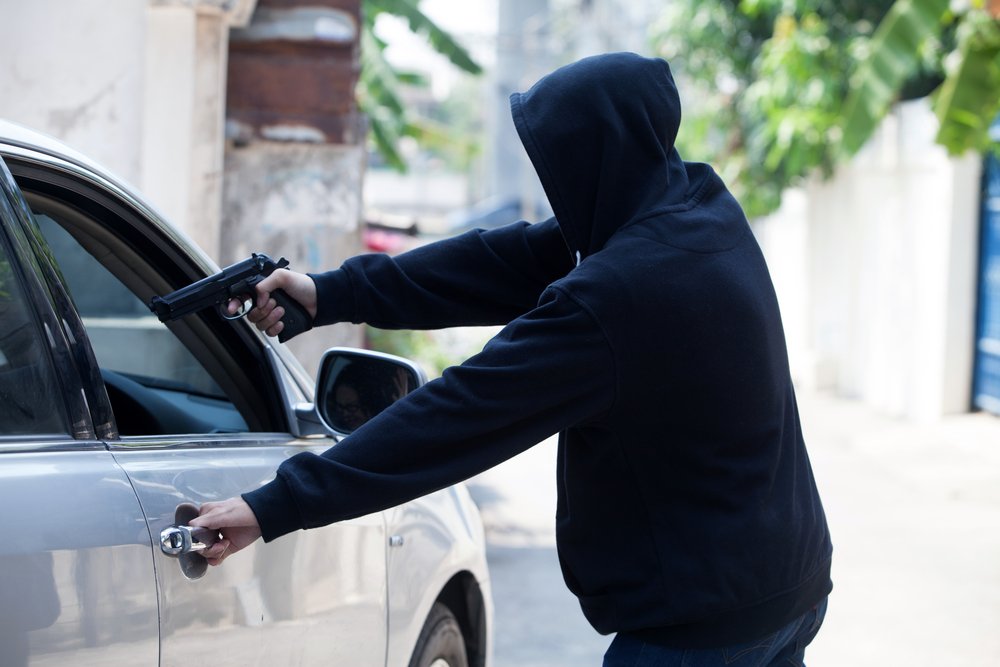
(355, 385)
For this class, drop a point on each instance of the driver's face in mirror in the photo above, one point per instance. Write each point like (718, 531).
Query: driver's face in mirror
(361, 389)
(347, 407)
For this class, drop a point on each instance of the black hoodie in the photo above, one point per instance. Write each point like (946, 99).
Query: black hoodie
(687, 509)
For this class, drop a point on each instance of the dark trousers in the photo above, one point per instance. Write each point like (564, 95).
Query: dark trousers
(784, 648)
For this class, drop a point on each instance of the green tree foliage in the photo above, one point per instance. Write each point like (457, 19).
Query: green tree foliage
(893, 55)
(765, 83)
(433, 350)
(380, 85)
(420, 346)
(969, 97)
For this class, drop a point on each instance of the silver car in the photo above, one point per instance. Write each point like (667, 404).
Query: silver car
(114, 426)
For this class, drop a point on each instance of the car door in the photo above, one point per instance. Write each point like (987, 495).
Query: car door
(202, 411)
(76, 579)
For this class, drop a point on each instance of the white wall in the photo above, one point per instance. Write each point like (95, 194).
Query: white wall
(876, 272)
(137, 86)
(75, 70)
(184, 107)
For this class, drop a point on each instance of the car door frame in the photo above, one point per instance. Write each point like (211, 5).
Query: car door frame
(265, 379)
(249, 377)
(71, 544)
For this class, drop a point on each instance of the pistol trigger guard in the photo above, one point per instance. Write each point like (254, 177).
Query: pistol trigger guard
(245, 307)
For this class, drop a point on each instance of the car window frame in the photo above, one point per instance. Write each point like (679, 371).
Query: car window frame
(232, 352)
(42, 307)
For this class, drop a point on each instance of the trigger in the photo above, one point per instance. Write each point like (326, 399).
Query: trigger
(236, 307)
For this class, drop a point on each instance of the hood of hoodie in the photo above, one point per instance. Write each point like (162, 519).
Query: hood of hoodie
(600, 133)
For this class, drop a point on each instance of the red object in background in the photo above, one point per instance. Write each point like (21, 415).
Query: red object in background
(383, 240)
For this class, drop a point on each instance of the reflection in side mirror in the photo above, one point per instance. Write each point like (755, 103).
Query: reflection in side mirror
(356, 385)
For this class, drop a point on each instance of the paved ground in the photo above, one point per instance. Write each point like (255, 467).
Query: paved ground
(538, 622)
(915, 515)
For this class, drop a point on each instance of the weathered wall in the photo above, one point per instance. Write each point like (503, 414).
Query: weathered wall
(183, 112)
(295, 153)
(76, 71)
(300, 201)
(137, 86)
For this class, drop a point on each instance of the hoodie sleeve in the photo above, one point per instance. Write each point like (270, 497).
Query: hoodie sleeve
(546, 371)
(477, 278)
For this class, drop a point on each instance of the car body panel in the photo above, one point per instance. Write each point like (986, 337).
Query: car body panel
(76, 573)
(441, 534)
(334, 595)
(267, 601)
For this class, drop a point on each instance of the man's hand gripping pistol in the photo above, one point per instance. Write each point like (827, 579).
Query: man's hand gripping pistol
(238, 282)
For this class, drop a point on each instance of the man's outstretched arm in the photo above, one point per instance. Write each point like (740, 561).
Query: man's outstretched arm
(476, 278)
(544, 372)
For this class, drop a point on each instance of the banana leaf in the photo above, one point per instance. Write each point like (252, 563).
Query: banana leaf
(893, 57)
(379, 101)
(969, 98)
(419, 23)
(380, 83)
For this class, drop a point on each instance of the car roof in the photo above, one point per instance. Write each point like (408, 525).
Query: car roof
(18, 135)
(39, 145)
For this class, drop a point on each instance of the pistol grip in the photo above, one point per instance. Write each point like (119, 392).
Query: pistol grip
(296, 318)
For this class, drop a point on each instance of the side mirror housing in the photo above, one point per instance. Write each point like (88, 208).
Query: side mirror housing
(355, 385)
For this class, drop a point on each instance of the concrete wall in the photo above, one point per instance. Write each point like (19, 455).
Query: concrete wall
(141, 86)
(137, 86)
(76, 71)
(300, 201)
(183, 116)
(876, 272)
(295, 152)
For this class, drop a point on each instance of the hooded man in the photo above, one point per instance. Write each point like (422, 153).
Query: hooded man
(641, 324)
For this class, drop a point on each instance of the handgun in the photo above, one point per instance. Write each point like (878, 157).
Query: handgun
(237, 281)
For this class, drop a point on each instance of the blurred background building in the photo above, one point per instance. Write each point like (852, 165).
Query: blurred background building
(235, 117)
(238, 118)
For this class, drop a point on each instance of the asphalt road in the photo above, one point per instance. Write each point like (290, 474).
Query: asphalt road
(538, 622)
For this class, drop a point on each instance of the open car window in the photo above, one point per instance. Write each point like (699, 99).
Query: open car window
(126, 337)
(201, 374)
(156, 386)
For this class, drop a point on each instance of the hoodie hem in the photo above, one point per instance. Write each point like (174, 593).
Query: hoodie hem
(745, 624)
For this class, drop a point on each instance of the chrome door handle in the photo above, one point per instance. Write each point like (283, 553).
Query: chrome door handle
(179, 539)
(185, 542)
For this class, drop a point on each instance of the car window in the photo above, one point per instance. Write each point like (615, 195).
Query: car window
(30, 401)
(155, 384)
